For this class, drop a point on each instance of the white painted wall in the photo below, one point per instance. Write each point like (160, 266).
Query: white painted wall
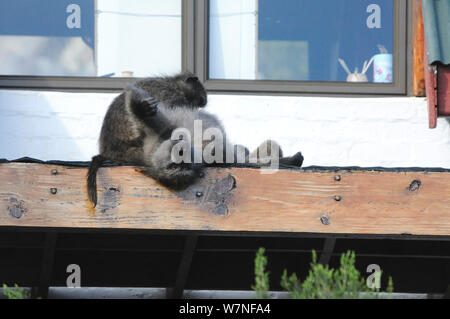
(330, 131)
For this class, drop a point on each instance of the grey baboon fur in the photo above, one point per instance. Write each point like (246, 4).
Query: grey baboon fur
(139, 124)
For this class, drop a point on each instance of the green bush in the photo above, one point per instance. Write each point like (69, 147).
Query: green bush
(261, 286)
(321, 282)
(15, 293)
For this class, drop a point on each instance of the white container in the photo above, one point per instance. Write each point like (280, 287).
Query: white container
(382, 68)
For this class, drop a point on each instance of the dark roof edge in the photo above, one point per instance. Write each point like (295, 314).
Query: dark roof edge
(308, 169)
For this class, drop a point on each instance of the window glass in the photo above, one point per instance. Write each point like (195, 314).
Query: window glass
(105, 38)
(302, 40)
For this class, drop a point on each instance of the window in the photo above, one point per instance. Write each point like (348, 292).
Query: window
(56, 38)
(138, 38)
(333, 46)
(293, 46)
(301, 40)
(87, 38)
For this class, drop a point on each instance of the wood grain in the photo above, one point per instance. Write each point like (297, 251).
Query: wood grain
(418, 49)
(444, 90)
(361, 202)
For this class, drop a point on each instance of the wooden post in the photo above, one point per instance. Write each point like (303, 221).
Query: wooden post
(418, 49)
(327, 251)
(184, 268)
(48, 259)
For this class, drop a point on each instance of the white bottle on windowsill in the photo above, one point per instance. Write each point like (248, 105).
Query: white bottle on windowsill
(382, 68)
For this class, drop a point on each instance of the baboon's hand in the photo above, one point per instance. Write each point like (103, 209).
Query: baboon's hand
(149, 106)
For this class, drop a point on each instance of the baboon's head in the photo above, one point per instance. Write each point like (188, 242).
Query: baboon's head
(193, 90)
(184, 89)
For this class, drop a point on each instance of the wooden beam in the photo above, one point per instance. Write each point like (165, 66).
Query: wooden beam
(183, 269)
(232, 200)
(48, 259)
(327, 251)
(418, 49)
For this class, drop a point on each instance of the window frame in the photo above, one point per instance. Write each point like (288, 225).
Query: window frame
(195, 56)
(401, 61)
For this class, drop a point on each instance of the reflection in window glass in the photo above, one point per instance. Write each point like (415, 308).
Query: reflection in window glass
(108, 38)
(302, 40)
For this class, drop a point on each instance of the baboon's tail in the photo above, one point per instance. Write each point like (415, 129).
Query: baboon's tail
(96, 163)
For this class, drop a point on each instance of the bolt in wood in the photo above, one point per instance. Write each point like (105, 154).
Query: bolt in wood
(415, 185)
(325, 220)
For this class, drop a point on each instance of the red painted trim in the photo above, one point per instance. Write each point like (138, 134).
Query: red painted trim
(430, 85)
(443, 90)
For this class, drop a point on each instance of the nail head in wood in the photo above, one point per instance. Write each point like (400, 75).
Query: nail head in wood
(199, 194)
(415, 185)
(325, 220)
(338, 198)
(337, 178)
(54, 172)
(53, 190)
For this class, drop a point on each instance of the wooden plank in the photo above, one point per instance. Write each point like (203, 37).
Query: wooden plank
(418, 49)
(359, 202)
